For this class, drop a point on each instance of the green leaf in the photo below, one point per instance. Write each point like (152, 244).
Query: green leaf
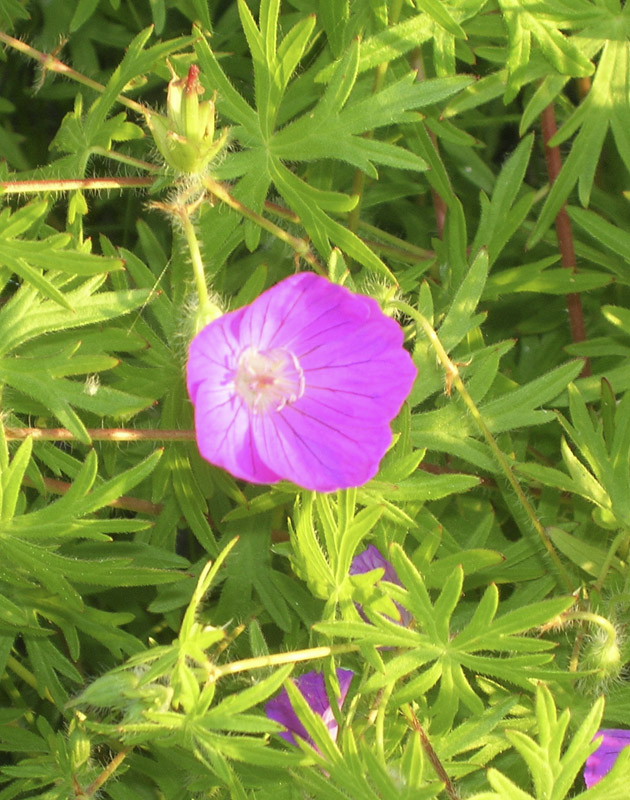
(459, 319)
(439, 12)
(522, 406)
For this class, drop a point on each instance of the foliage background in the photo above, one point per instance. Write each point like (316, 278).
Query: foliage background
(407, 148)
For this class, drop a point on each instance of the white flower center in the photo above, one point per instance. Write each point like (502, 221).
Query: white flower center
(269, 379)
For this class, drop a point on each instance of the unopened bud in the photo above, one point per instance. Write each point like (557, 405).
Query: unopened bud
(185, 138)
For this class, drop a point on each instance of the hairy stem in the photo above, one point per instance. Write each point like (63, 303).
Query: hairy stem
(107, 773)
(262, 662)
(52, 64)
(199, 272)
(68, 185)
(453, 378)
(300, 246)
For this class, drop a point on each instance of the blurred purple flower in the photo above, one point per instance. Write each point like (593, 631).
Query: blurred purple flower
(313, 689)
(370, 559)
(603, 759)
(300, 385)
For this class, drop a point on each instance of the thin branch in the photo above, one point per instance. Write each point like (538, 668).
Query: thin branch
(101, 434)
(439, 204)
(453, 378)
(300, 246)
(433, 757)
(564, 232)
(68, 185)
(107, 773)
(124, 502)
(52, 64)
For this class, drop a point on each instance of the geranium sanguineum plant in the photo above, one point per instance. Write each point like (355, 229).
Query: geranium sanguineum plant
(603, 759)
(313, 689)
(300, 385)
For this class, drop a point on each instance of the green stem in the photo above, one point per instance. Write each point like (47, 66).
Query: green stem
(381, 716)
(113, 155)
(107, 773)
(594, 619)
(454, 378)
(27, 676)
(300, 246)
(195, 256)
(619, 538)
(262, 662)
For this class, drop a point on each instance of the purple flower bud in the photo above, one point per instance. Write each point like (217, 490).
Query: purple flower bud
(313, 689)
(370, 559)
(301, 385)
(603, 759)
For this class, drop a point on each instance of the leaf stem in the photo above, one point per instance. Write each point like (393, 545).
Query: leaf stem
(449, 786)
(300, 246)
(453, 378)
(107, 773)
(619, 538)
(22, 672)
(125, 502)
(277, 659)
(358, 182)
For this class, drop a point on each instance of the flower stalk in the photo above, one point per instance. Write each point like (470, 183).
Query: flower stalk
(453, 378)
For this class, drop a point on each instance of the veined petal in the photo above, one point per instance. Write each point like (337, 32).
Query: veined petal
(304, 447)
(313, 688)
(302, 385)
(213, 353)
(225, 437)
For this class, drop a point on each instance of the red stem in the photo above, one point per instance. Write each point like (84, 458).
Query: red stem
(563, 231)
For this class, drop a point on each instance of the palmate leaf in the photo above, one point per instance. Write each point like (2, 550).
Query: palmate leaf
(44, 563)
(333, 129)
(608, 481)
(524, 21)
(445, 653)
(554, 765)
(29, 258)
(438, 20)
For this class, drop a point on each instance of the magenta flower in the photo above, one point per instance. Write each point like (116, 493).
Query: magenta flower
(370, 559)
(603, 759)
(301, 385)
(313, 689)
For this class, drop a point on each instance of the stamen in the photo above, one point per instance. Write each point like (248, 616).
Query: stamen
(268, 380)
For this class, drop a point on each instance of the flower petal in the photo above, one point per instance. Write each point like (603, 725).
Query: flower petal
(224, 435)
(354, 376)
(603, 759)
(313, 688)
(319, 451)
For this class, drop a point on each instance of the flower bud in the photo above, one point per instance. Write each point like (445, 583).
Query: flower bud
(185, 137)
(604, 656)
